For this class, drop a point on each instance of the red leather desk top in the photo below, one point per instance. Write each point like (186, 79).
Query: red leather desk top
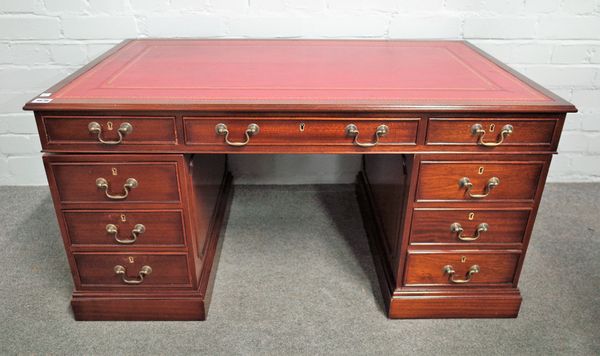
(192, 74)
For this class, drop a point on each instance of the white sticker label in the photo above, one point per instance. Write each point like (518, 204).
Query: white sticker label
(41, 101)
(45, 95)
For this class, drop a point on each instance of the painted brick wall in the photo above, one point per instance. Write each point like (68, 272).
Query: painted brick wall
(555, 42)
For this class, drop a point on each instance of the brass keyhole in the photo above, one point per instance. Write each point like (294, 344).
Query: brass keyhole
(123, 218)
(463, 259)
(471, 215)
(302, 127)
(114, 171)
(131, 260)
(109, 125)
(492, 127)
(480, 171)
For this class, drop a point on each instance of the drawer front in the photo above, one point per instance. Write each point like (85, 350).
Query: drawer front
(79, 130)
(202, 131)
(455, 131)
(458, 269)
(468, 226)
(155, 182)
(125, 228)
(478, 181)
(167, 270)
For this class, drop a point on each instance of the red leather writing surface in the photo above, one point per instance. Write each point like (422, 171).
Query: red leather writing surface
(299, 71)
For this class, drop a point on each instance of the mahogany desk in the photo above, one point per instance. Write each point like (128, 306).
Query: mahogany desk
(456, 149)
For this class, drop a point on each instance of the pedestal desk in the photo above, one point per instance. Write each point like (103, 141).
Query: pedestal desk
(455, 151)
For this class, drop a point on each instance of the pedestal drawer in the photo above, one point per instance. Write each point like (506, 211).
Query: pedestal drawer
(130, 182)
(478, 180)
(468, 226)
(132, 270)
(125, 228)
(468, 268)
(307, 131)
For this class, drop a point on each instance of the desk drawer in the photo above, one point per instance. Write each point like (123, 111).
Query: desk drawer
(307, 131)
(491, 132)
(461, 269)
(127, 182)
(478, 180)
(114, 130)
(132, 270)
(125, 228)
(468, 226)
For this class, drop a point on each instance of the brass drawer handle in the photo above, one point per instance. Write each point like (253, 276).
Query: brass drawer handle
(456, 227)
(124, 129)
(130, 183)
(138, 229)
(352, 130)
(449, 270)
(465, 182)
(253, 129)
(477, 130)
(122, 271)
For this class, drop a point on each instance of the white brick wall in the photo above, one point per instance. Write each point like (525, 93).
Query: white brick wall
(556, 42)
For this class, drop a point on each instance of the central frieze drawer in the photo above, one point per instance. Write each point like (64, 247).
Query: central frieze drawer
(127, 182)
(309, 131)
(461, 269)
(125, 228)
(132, 270)
(481, 181)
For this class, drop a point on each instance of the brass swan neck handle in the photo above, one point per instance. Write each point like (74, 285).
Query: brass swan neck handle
(129, 184)
(352, 130)
(478, 130)
(252, 130)
(138, 229)
(492, 183)
(457, 228)
(122, 271)
(124, 129)
(449, 270)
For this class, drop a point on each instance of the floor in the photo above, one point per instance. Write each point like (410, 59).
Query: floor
(296, 277)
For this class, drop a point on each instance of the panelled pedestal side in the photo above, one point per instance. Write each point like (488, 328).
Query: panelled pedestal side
(140, 245)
